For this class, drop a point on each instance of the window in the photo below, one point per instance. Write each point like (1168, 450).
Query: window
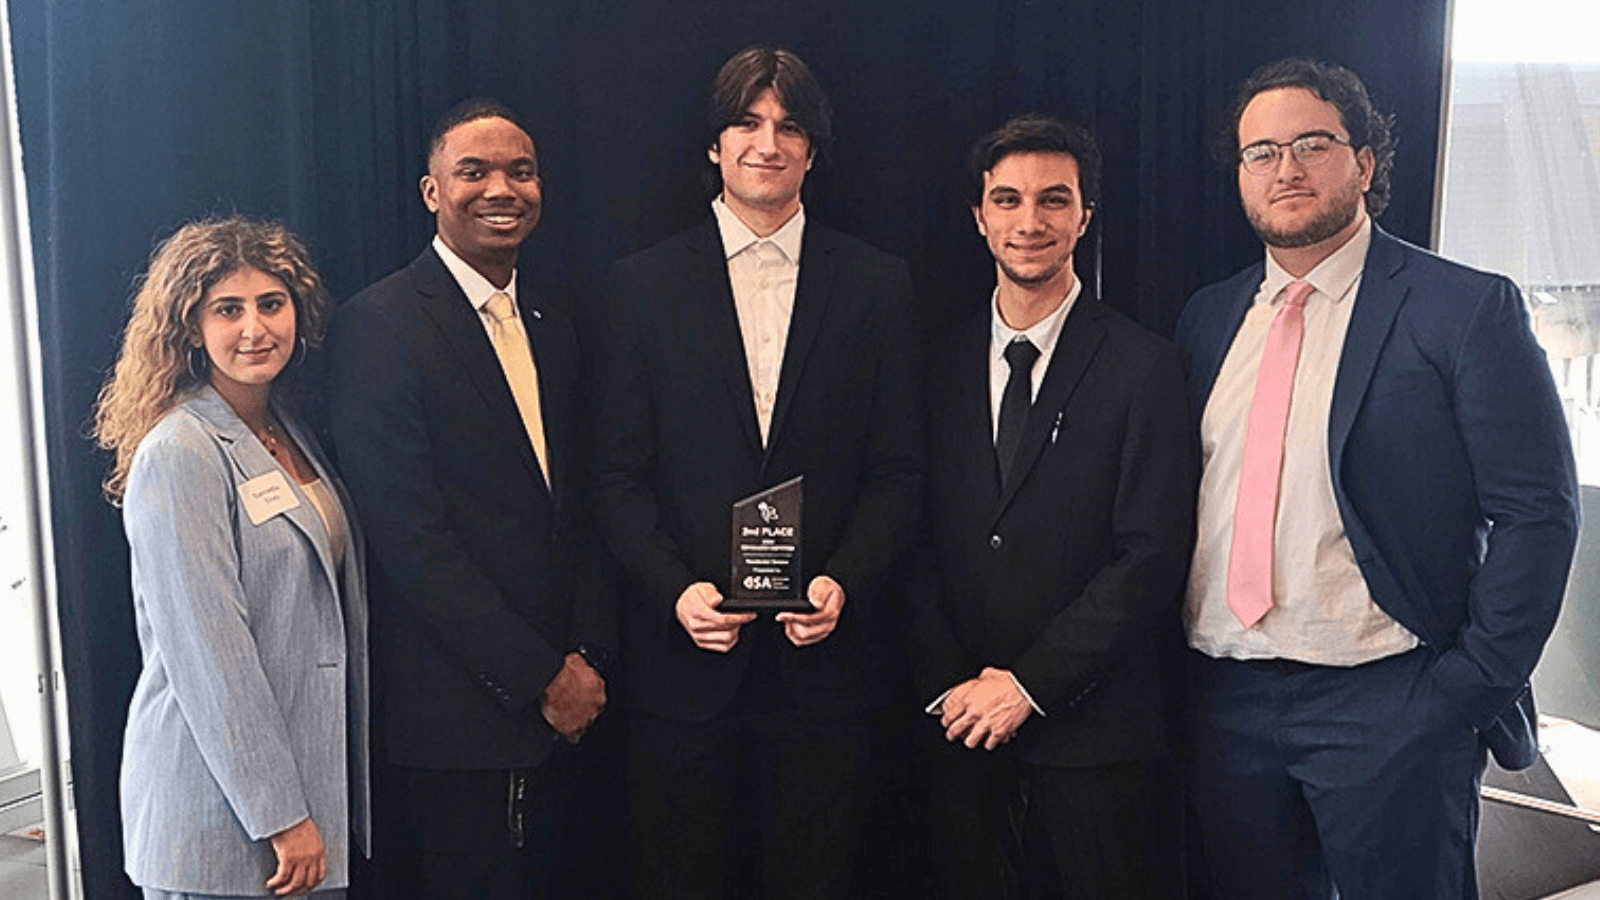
(1520, 195)
(35, 833)
(1521, 189)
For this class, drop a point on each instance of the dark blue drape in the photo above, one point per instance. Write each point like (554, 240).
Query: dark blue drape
(136, 117)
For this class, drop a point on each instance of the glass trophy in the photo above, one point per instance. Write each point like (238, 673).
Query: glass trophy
(766, 552)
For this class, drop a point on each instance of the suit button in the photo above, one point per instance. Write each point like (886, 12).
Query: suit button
(996, 542)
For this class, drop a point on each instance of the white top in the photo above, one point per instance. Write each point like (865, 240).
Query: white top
(479, 289)
(1322, 611)
(763, 273)
(326, 503)
(1043, 335)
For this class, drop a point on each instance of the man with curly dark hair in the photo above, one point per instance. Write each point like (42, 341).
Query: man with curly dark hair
(1387, 513)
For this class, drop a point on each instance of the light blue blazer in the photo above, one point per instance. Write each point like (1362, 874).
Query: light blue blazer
(251, 711)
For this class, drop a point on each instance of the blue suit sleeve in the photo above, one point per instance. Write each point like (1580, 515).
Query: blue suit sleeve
(1512, 425)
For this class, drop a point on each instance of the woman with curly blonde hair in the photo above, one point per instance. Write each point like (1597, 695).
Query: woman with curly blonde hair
(245, 757)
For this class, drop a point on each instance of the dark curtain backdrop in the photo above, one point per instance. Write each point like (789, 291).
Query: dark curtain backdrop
(138, 116)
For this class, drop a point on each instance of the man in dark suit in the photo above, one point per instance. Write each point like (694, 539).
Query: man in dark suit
(1061, 472)
(751, 349)
(1387, 513)
(454, 407)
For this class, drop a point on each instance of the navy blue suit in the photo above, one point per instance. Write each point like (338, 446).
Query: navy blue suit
(1455, 482)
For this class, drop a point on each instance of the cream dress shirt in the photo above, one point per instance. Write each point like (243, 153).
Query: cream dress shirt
(763, 273)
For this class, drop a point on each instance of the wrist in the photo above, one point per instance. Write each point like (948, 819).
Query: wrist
(598, 658)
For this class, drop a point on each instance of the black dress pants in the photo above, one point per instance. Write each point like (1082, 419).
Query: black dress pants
(788, 788)
(489, 834)
(1004, 829)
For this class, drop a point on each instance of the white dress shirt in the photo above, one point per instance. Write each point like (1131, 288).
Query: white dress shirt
(479, 289)
(763, 273)
(1043, 335)
(1322, 611)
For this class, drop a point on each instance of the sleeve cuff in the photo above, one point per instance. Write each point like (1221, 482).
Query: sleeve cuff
(1025, 695)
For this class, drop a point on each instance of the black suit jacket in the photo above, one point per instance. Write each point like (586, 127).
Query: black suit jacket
(482, 575)
(678, 443)
(1069, 575)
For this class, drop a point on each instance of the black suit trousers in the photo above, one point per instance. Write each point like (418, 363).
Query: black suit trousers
(1005, 829)
(473, 834)
(775, 784)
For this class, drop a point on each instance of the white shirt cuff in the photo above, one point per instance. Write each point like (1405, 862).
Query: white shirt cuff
(1025, 695)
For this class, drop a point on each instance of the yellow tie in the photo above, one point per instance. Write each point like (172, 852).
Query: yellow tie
(516, 360)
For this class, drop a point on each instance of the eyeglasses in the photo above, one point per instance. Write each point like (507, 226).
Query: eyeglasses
(1311, 149)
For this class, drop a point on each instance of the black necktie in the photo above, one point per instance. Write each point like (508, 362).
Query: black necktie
(1014, 403)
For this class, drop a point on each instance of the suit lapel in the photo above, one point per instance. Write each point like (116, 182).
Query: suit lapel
(541, 343)
(1218, 337)
(1376, 305)
(812, 291)
(447, 307)
(352, 599)
(251, 460)
(354, 558)
(972, 415)
(719, 323)
(1081, 335)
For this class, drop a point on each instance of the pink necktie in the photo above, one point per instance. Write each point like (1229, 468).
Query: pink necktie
(1255, 511)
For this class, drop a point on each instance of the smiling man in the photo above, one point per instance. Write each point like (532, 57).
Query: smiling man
(754, 348)
(453, 405)
(1387, 514)
(1061, 472)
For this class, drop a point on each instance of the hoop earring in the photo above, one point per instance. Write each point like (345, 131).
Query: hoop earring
(301, 349)
(188, 363)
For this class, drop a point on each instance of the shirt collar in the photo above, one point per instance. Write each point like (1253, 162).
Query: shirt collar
(477, 288)
(737, 236)
(1042, 334)
(1333, 276)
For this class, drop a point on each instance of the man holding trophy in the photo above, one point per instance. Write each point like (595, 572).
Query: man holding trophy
(758, 450)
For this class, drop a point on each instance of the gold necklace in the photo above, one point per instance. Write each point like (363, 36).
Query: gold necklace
(269, 438)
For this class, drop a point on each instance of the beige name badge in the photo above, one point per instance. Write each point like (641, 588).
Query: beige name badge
(267, 495)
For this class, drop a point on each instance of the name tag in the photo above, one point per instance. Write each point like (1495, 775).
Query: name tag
(267, 495)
